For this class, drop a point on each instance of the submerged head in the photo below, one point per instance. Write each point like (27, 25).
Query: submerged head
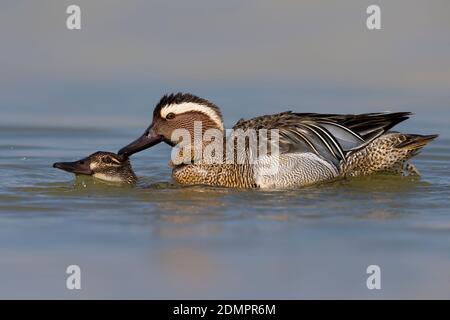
(176, 111)
(102, 165)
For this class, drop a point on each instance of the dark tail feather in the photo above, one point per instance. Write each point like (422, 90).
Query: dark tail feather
(373, 125)
(368, 125)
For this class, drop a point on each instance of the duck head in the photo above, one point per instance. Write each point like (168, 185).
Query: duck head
(102, 165)
(173, 112)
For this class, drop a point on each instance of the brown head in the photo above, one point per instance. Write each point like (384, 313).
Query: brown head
(102, 165)
(174, 112)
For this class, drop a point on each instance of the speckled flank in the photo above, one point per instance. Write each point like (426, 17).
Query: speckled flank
(386, 154)
(224, 175)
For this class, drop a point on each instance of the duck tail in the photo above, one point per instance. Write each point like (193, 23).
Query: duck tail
(415, 142)
(387, 154)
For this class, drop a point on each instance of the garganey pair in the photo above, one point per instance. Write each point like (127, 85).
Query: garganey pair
(312, 147)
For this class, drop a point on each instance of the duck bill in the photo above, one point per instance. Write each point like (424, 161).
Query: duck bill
(147, 140)
(77, 167)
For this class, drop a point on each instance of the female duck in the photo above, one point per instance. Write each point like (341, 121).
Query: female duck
(106, 166)
(312, 147)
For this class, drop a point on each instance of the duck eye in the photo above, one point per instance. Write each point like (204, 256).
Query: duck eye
(81, 162)
(170, 116)
(107, 160)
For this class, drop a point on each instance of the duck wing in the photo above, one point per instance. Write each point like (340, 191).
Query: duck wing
(330, 136)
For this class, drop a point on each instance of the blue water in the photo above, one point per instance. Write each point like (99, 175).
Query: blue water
(162, 241)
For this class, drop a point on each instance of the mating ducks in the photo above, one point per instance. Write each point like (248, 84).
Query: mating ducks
(106, 166)
(311, 147)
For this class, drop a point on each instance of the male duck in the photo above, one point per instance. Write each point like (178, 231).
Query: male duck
(106, 166)
(312, 147)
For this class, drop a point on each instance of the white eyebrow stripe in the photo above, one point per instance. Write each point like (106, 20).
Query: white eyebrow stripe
(192, 106)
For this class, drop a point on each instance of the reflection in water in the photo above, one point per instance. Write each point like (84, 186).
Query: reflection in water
(381, 214)
(194, 201)
(166, 241)
(188, 268)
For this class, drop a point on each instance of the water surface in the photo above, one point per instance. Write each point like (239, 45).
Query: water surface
(162, 241)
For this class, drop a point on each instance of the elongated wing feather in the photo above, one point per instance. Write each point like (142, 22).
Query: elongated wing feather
(330, 136)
